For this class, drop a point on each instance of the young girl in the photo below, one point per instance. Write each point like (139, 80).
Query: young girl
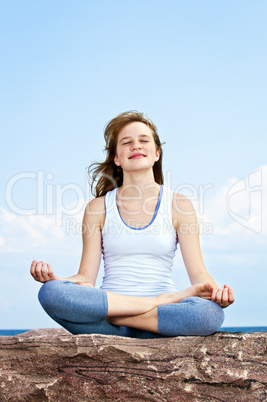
(136, 222)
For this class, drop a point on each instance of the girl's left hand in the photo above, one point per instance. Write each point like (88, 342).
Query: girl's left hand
(224, 296)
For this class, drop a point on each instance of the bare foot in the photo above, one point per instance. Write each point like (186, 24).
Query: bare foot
(200, 290)
(88, 284)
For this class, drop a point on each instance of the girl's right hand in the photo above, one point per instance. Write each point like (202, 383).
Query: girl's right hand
(42, 272)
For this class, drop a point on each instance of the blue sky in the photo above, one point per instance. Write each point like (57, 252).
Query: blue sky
(196, 68)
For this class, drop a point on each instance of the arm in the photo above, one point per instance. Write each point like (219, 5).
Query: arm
(187, 228)
(93, 222)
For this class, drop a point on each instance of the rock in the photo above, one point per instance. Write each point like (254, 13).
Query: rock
(53, 365)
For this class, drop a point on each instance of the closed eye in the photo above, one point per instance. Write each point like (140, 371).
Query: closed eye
(125, 143)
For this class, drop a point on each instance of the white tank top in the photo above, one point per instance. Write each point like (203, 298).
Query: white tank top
(138, 262)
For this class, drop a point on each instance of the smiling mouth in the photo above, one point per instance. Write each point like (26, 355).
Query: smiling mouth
(137, 156)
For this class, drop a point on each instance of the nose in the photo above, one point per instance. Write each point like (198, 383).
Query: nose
(136, 144)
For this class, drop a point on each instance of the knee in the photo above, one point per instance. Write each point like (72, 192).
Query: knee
(192, 316)
(50, 294)
(210, 317)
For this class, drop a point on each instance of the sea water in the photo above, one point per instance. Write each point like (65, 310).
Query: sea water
(11, 332)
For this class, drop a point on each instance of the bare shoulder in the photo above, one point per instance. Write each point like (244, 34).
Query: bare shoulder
(95, 210)
(96, 205)
(182, 209)
(181, 201)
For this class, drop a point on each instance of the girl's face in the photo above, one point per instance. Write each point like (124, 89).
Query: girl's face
(136, 148)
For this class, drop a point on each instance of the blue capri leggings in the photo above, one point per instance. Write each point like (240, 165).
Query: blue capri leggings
(82, 310)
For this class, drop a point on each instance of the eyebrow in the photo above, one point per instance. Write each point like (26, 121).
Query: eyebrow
(141, 135)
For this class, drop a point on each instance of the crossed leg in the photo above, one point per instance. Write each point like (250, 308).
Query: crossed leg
(80, 309)
(191, 316)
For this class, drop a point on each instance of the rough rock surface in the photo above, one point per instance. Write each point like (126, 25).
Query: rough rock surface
(53, 365)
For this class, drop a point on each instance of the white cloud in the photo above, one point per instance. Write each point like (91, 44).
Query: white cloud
(237, 213)
(225, 210)
(41, 233)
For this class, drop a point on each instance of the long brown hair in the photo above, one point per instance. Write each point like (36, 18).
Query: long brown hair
(111, 175)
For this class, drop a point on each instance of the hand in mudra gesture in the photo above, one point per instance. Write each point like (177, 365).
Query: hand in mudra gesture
(42, 272)
(223, 296)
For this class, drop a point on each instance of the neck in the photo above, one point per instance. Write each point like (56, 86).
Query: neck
(139, 184)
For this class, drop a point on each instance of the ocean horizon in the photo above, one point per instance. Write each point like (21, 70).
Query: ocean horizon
(12, 332)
